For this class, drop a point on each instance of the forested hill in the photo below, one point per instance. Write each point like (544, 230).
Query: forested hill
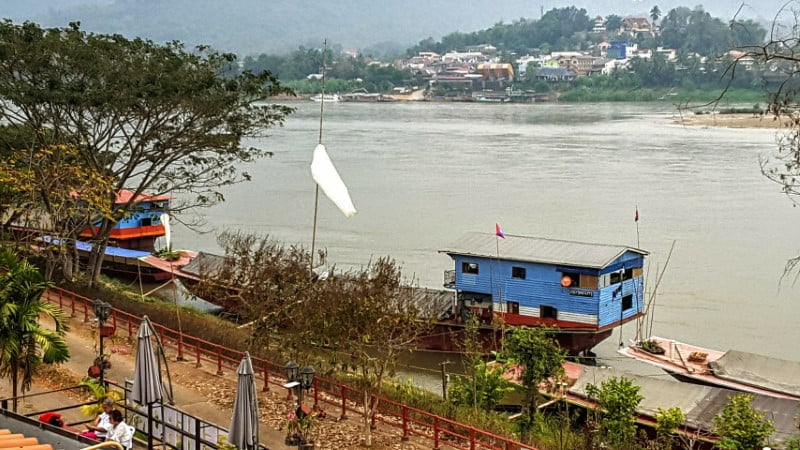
(257, 26)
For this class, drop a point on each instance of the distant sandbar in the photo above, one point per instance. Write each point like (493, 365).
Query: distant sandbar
(744, 120)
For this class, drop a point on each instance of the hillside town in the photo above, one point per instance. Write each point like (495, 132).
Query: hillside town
(628, 53)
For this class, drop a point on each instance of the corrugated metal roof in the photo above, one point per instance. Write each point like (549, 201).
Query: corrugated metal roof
(758, 370)
(205, 265)
(700, 403)
(541, 250)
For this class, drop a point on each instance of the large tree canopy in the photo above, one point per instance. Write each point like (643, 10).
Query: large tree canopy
(151, 117)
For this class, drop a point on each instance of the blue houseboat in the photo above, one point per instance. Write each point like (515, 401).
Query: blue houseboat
(140, 228)
(584, 289)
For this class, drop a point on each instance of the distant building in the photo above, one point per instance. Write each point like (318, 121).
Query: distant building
(618, 50)
(670, 54)
(636, 25)
(575, 62)
(469, 57)
(485, 49)
(552, 74)
(496, 72)
(599, 25)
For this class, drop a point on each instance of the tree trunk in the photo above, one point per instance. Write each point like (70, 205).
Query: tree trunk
(14, 375)
(367, 416)
(98, 251)
(68, 268)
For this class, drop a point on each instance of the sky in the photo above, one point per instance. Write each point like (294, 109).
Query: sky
(275, 26)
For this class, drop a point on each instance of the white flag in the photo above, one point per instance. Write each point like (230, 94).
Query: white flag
(328, 179)
(167, 230)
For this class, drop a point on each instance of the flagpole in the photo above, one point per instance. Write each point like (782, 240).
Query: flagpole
(316, 185)
(637, 227)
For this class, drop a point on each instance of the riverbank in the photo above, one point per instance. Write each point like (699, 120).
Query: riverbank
(739, 120)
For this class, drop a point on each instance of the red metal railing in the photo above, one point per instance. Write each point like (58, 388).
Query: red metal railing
(412, 421)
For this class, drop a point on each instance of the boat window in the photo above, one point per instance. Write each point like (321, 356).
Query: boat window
(518, 272)
(627, 302)
(512, 307)
(570, 279)
(615, 277)
(548, 312)
(145, 222)
(628, 274)
(468, 267)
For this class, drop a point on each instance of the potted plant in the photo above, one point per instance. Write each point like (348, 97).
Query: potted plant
(300, 429)
(653, 347)
(99, 393)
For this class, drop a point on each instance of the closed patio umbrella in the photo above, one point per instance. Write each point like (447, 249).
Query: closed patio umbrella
(147, 388)
(243, 432)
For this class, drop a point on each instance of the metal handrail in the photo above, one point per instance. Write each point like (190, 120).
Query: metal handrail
(116, 445)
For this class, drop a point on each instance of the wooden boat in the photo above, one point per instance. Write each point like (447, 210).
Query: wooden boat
(737, 370)
(585, 290)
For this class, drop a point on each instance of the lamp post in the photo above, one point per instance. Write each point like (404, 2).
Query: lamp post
(102, 310)
(303, 377)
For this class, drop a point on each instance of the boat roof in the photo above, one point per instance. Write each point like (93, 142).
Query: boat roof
(700, 403)
(539, 250)
(204, 265)
(759, 370)
(125, 196)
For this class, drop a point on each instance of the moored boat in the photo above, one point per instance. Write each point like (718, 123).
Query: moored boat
(327, 97)
(741, 371)
(585, 290)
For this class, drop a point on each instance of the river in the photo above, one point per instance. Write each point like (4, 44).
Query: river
(421, 174)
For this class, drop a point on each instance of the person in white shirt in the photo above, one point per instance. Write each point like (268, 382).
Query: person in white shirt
(99, 428)
(120, 431)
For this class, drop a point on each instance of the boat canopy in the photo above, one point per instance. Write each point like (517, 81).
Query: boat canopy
(758, 370)
(700, 403)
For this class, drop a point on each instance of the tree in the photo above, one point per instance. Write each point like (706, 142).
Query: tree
(49, 188)
(613, 23)
(541, 359)
(154, 118)
(25, 345)
(655, 13)
(617, 398)
(482, 387)
(376, 318)
(363, 320)
(667, 421)
(740, 427)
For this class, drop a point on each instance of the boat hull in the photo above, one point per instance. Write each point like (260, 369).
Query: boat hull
(449, 337)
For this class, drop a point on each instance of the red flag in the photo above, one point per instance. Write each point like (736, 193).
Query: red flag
(498, 231)
(636, 217)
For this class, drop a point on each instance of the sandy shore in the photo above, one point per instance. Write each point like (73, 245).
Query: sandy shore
(732, 120)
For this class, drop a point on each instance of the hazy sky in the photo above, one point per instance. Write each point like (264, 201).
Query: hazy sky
(253, 26)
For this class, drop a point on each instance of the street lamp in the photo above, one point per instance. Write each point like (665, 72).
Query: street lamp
(304, 379)
(301, 380)
(102, 310)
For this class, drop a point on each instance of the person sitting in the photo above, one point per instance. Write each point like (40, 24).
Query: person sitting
(98, 429)
(53, 418)
(120, 431)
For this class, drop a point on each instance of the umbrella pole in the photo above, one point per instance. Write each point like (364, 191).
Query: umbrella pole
(149, 425)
